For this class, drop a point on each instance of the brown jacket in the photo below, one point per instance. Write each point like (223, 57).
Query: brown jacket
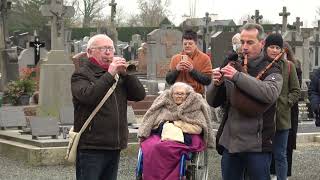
(200, 61)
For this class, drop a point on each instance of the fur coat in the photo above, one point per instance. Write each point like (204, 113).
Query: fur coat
(193, 110)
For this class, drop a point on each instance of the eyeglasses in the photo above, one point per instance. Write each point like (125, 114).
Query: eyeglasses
(179, 94)
(104, 49)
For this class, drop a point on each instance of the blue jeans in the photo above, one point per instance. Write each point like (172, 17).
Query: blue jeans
(97, 164)
(280, 141)
(257, 165)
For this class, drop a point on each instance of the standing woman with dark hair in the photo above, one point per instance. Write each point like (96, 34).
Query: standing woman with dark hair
(289, 95)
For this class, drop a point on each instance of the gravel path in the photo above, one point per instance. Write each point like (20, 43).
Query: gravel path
(306, 167)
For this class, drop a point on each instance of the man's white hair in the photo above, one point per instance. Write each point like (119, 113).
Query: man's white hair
(94, 38)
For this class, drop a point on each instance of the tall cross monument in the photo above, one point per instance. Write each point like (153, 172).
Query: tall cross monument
(284, 15)
(56, 70)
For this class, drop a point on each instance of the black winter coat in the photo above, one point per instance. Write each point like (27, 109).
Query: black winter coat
(108, 129)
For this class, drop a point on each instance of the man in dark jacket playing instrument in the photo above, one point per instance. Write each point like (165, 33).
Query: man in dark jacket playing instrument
(244, 139)
(107, 134)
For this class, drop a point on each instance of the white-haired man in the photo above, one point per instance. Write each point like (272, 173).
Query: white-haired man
(100, 144)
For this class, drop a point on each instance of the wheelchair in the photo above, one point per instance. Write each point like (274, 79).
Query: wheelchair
(193, 166)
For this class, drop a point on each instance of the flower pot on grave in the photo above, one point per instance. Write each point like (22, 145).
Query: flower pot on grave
(24, 100)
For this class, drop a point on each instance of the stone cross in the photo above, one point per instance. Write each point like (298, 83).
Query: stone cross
(298, 24)
(57, 11)
(113, 6)
(284, 15)
(256, 17)
(36, 44)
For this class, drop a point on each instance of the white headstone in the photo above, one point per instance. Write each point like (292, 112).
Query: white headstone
(26, 57)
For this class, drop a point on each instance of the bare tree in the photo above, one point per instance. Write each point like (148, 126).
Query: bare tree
(25, 15)
(152, 12)
(133, 21)
(74, 21)
(88, 10)
(120, 16)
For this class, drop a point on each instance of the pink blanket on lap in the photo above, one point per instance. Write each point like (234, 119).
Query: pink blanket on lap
(161, 159)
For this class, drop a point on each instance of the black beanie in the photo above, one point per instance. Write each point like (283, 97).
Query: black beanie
(274, 39)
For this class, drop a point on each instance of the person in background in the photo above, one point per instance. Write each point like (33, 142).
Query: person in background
(289, 95)
(292, 137)
(107, 134)
(191, 66)
(314, 95)
(236, 43)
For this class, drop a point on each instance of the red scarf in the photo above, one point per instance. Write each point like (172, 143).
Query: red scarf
(104, 66)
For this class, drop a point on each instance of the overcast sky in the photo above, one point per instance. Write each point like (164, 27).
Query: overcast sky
(235, 9)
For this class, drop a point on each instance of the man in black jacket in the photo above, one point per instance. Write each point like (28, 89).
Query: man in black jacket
(100, 144)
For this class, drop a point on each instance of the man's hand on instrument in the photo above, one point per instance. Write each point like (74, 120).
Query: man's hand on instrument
(228, 71)
(118, 65)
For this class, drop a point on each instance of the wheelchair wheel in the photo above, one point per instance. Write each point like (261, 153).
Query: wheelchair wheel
(197, 169)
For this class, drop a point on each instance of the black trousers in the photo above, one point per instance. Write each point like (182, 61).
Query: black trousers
(97, 164)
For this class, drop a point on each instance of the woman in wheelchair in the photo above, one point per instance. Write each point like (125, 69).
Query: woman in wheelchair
(177, 123)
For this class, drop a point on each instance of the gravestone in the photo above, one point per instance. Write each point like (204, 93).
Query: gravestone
(11, 64)
(56, 70)
(295, 40)
(131, 116)
(135, 44)
(23, 39)
(284, 15)
(44, 126)
(66, 117)
(220, 44)
(67, 41)
(26, 57)
(12, 117)
(306, 61)
(77, 45)
(162, 44)
(315, 45)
